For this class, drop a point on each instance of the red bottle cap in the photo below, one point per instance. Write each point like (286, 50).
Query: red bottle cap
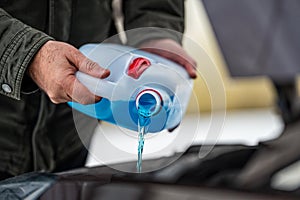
(137, 67)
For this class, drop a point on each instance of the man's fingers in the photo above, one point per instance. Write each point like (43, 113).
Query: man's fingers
(78, 92)
(184, 60)
(181, 58)
(171, 50)
(188, 63)
(190, 68)
(92, 68)
(82, 95)
(88, 66)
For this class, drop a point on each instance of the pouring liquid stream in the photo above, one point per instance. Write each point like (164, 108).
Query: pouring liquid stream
(142, 130)
(147, 107)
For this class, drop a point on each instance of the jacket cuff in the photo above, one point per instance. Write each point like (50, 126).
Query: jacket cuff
(16, 58)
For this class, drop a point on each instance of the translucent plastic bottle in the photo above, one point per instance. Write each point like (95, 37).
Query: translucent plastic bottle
(139, 81)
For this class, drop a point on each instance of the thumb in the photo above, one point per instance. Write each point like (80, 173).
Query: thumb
(84, 64)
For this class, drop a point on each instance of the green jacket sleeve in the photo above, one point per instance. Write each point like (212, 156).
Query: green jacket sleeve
(18, 44)
(165, 17)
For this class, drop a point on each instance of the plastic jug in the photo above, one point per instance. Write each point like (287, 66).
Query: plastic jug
(137, 78)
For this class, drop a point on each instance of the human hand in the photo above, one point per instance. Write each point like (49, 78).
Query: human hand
(53, 69)
(171, 50)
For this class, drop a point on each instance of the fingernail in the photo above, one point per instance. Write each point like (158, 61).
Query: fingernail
(97, 98)
(193, 75)
(105, 73)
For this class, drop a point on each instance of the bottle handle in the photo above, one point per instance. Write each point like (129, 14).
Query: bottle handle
(99, 87)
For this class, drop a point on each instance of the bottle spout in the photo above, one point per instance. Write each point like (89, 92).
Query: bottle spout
(149, 102)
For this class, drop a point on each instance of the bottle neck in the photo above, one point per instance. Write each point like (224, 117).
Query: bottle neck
(149, 102)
